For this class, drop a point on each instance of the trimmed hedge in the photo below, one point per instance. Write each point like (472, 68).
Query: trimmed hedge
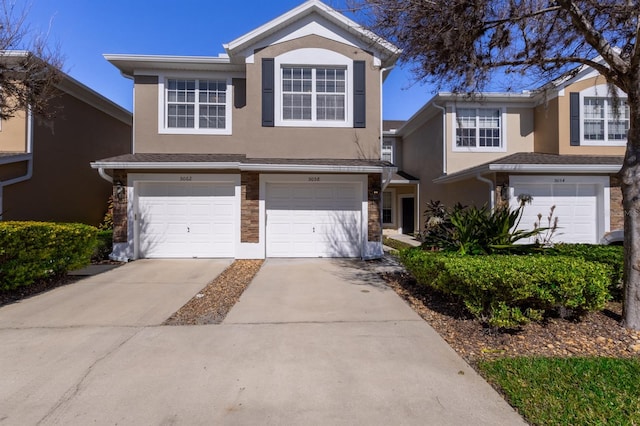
(613, 256)
(507, 290)
(34, 250)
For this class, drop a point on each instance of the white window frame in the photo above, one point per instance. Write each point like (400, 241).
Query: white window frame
(313, 58)
(392, 141)
(601, 92)
(503, 129)
(163, 102)
(393, 208)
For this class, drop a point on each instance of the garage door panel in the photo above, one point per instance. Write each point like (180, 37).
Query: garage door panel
(575, 208)
(319, 220)
(186, 219)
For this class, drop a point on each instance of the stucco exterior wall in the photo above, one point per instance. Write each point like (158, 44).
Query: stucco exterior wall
(519, 129)
(13, 134)
(248, 135)
(64, 187)
(546, 127)
(563, 123)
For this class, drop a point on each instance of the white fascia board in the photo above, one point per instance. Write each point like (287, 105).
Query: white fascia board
(530, 168)
(243, 167)
(164, 166)
(556, 168)
(323, 168)
(128, 64)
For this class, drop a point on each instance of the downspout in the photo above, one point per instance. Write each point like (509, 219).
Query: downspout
(104, 175)
(491, 187)
(29, 173)
(444, 138)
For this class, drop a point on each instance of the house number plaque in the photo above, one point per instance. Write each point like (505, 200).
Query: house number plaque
(186, 178)
(314, 179)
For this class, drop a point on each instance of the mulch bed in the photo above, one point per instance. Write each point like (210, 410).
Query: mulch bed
(212, 304)
(595, 334)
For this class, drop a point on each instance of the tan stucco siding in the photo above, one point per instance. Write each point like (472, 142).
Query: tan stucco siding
(248, 135)
(546, 127)
(13, 134)
(64, 187)
(518, 127)
(563, 121)
(422, 158)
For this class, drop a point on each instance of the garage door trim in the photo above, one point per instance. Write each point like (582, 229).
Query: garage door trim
(360, 180)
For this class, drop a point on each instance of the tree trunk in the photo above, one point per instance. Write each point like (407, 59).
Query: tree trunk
(630, 186)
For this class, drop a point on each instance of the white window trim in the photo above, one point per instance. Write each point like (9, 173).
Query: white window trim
(599, 91)
(503, 129)
(393, 149)
(162, 107)
(313, 57)
(394, 209)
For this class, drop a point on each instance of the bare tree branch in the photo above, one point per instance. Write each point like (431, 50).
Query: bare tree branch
(30, 67)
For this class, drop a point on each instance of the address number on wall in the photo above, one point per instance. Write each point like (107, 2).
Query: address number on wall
(186, 178)
(314, 179)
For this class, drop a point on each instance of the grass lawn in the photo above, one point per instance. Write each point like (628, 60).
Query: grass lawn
(570, 391)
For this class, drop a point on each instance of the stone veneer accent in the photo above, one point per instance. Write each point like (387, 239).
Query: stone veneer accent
(120, 220)
(374, 191)
(250, 207)
(502, 190)
(616, 210)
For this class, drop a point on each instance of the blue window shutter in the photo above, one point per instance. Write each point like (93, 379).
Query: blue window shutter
(574, 118)
(359, 95)
(268, 92)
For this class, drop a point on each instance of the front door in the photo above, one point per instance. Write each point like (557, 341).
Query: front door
(408, 215)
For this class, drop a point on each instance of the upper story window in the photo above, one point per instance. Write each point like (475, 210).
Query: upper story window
(313, 88)
(314, 94)
(387, 150)
(605, 120)
(193, 106)
(479, 129)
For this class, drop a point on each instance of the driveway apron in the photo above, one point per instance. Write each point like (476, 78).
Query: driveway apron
(144, 292)
(314, 342)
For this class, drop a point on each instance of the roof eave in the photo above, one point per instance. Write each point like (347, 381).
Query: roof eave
(529, 168)
(300, 168)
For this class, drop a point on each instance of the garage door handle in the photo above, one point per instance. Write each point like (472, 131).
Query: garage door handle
(188, 230)
(314, 229)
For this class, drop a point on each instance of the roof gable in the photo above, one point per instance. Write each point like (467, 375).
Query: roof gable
(311, 17)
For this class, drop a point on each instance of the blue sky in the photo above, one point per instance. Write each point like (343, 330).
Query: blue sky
(85, 30)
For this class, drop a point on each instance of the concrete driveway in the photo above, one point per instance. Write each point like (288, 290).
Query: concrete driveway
(310, 342)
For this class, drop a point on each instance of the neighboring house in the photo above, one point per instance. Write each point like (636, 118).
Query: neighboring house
(563, 145)
(44, 164)
(270, 150)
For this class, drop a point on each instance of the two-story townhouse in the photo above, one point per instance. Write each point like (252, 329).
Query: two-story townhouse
(562, 145)
(271, 149)
(44, 163)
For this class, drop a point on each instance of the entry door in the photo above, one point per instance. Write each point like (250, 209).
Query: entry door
(408, 215)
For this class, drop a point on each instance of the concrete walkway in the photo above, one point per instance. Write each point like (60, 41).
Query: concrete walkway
(310, 342)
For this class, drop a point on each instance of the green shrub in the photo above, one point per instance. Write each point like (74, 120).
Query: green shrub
(507, 290)
(480, 230)
(34, 250)
(613, 256)
(104, 245)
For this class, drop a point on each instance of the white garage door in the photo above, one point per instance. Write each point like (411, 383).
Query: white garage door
(314, 220)
(186, 219)
(576, 209)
